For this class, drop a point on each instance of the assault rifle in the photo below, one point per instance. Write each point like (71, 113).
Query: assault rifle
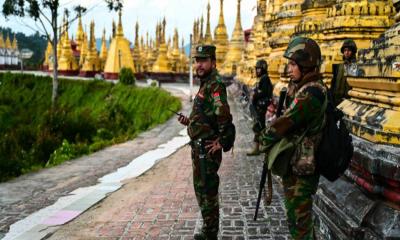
(265, 170)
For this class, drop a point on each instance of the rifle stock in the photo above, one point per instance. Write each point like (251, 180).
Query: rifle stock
(265, 171)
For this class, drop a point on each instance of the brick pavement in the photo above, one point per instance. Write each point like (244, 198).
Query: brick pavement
(168, 210)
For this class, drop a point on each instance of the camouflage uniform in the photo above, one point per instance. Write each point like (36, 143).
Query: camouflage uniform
(341, 71)
(260, 101)
(210, 118)
(304, 111)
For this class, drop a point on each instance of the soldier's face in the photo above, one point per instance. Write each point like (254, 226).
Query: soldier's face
(347, 53)
(294, 71)
(204, 66)
(258, 72)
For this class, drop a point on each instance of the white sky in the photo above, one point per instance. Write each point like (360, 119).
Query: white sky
(178, 13)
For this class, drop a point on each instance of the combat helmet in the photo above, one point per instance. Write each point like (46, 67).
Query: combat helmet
(304, 51)
(349, 43)
(262, 64)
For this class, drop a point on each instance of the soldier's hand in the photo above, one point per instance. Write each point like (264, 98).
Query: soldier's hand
(183, 120)
(213, 146)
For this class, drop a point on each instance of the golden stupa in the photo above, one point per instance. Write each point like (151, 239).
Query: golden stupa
(119, 55)
(2, 44)
(162, 64)
(136, 50)
(103, 50)
(8, 42)
(208, 37)
(80, 34)
(48, 63)
(236, 46)
(67, 64)
(92, 63)
(221, 37)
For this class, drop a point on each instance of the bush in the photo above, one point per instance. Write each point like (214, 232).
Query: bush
(126, 76)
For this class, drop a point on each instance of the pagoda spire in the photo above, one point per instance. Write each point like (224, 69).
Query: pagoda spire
(120, 30)
(201, 29)
(2, 44)
(236, 46)
(8, 42)
(136, 34)
(221, 37)
(79, 33)
(238, 25)
(14, 44)
(208, 37)
(103, 51)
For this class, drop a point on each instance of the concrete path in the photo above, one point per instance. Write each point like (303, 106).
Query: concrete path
(161, 204)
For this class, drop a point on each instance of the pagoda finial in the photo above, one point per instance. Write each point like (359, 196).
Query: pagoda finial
(120, 31)
(136, 34)
(208, 37)
(201, 29)
(113, 29)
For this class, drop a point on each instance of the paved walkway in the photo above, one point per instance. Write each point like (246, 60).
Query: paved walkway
(161, 203)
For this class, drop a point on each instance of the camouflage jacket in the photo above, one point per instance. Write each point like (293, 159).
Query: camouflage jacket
(262, 93)
(304, 112)
(210, 117)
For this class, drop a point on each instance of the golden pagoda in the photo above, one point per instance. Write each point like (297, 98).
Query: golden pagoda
(103, 50)
(67, 64)
(92, 62)
(79, 34)
(2, 44)
(14, 44)
(236, 46)
(221, 37)
(136, 50)
(143, 53)
(184, 60)
(175, 53)
(59, 45)
(47, 56)
(254, 48)
(84, 49)
(208, 37)
(119, 55)
(201, 33)
(8, 42)
(162, 64)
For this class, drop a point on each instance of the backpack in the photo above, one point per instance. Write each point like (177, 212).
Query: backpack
(335, 150)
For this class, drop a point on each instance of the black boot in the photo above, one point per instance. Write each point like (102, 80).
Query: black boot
(200, 236)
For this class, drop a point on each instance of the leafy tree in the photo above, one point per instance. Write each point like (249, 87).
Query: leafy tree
(45, 12)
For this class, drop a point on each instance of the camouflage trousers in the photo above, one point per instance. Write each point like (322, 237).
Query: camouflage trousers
(207, 191)
(258, 125)
(298, 203)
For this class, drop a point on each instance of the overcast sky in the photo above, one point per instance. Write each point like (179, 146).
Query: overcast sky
(178, 13)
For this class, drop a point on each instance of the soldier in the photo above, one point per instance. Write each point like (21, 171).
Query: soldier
(340, 87)
(304, 115)
(211, 130)
(259, 103)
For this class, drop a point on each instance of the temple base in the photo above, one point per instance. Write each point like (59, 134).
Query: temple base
(343, 211)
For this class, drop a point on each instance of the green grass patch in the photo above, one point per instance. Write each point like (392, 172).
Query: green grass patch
(90, 116)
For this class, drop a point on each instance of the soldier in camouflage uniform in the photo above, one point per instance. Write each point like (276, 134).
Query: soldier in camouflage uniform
(259, 103)
(210, 130)
(341, 71)
(304, 112)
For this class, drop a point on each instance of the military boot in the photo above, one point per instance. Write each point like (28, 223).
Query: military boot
(205, 236)
(255, 151)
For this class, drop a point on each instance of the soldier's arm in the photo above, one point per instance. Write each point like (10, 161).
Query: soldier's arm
(222, 112)
(303, 109)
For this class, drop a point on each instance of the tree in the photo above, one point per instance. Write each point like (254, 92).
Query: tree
(45, 12)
